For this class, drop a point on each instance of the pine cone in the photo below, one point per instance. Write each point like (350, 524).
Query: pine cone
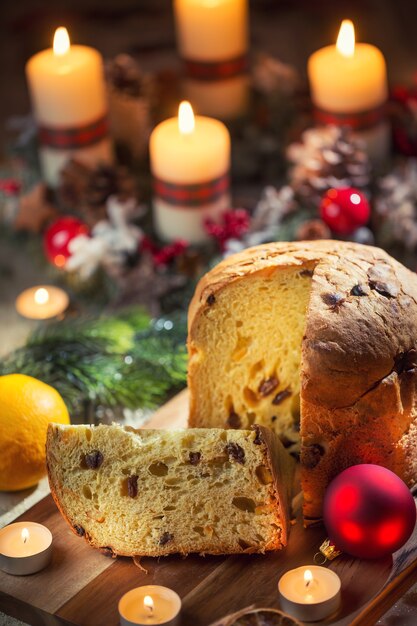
(328, 157)
(124, 75)
(85, 190)
(312, 230)
(271, 75)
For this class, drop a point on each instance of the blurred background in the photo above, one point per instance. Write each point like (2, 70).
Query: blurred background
(290, 30)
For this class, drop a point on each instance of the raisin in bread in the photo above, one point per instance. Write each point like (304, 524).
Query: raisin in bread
(153, 492)
(331, 324)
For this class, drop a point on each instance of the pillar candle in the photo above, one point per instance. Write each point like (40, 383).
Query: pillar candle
(66, 85)
(349, 87)
(190, 161)
(213, 41)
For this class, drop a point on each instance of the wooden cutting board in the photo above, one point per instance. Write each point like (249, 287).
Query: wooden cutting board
(81, 587)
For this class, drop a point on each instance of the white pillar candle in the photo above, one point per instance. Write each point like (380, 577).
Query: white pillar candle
(348, 84)
(310, 593)
(42, 302)
(25, 548)
(66, 85)
(213, 43)
(150, 604)
(190, 162)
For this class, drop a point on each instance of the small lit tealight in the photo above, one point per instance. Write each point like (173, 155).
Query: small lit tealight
(151, 604)
(25, 548)
(310, 594)
(41, 303)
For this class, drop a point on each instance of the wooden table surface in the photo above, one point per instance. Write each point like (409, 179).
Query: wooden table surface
(81, 587)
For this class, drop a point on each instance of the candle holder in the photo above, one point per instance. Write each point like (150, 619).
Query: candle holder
(25, 548)
(150, 604)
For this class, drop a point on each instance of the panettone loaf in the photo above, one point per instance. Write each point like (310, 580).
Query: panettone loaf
(328, 325)
(152, 492)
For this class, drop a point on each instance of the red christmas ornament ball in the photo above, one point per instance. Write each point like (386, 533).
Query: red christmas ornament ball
(344, 210)
(368, 511)
(58, 235)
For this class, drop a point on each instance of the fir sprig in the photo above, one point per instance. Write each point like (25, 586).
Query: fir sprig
(122, 360)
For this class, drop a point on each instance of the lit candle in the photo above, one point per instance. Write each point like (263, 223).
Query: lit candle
(190, 161)
(25, 548)
(151, 604)
(213, 41)
(349, 87)
(66, 85)
(42, 302)
(310, 594)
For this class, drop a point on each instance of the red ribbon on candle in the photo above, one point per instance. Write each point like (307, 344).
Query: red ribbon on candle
(357, 121)
(216, 70)
(191, 196)
(74, 137)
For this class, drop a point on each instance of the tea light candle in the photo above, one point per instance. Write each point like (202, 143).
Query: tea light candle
(349, 87)
(150, 604)
(67, 89)
(190, 161)
(310, 594)
(212, 39)
(25, 548)
(42, 302)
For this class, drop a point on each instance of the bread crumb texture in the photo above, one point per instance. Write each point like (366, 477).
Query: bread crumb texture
(245, 354)
(318, 341)
(151, 492)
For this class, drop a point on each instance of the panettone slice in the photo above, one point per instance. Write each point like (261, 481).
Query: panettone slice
(153, 492)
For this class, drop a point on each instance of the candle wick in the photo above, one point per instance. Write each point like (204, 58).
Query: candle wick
(24, 539)
(308, 582)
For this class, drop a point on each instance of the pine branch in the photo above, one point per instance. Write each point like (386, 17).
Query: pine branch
(124, 360)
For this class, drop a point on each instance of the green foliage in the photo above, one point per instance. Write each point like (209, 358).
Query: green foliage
(122, 360)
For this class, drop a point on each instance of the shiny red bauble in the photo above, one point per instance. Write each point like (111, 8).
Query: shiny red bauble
(344, 210)
(58, 235)
(368, 511)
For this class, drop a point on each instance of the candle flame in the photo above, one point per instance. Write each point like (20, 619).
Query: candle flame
(41, 296)
(308, 577)
(25, 535)
(346, 39)
(61, 41)
(148, 604)
(186, 120)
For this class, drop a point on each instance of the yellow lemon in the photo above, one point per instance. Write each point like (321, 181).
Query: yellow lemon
(27, 405)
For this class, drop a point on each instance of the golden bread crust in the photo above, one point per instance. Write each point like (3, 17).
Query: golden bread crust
(359, 360)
